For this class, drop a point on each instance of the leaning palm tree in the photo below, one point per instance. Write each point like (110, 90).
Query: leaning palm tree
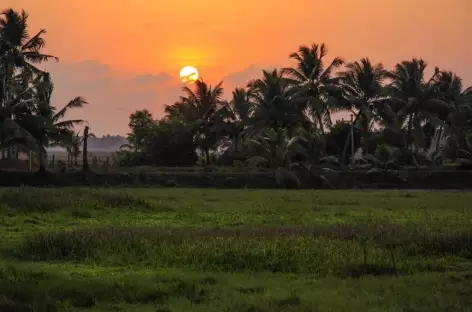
(314, 82)
(48, 126)
(362, 84)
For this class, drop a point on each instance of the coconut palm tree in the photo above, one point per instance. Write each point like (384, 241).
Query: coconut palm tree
(236, 118)
(18, 45)
(18, 52)
(362, 84)
(17, 108)
(72, 145)
(273, 105)
(47, 125)
(314, 82)
(416, 99)
(87, 135)
(275, 149)
(459, 122)
(198, 107)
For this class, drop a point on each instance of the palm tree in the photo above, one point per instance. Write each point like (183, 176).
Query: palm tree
(315, 84)
(17, 108)
(276, 149)
(72, 145)
(87, 135)
(198, 107)
(362, 84)
(18, 45)
(236, 117)
(272, 104)
(47, 125)
(18, 52)
(415, 99)
(459, 122)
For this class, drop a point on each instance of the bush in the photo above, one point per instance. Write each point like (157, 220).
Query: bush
(161, 143)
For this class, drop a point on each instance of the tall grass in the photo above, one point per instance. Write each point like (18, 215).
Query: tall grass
(337, 251)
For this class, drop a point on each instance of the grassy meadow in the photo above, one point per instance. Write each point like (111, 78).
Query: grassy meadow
(234, 250)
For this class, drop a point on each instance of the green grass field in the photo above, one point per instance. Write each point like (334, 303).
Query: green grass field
(234, 250)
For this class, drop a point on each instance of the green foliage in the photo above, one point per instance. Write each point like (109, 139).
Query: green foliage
(141, 124)
(171, 144)
(212, 250)
(167, 142)
(384, 156)
(339, 136)
(28, 121)
(466, 154)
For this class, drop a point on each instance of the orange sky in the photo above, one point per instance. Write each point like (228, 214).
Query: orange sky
(106, 48)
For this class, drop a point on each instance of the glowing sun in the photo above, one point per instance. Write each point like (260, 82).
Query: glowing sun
(188, 74)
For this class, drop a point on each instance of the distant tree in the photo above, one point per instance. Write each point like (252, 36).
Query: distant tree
(171, 144)
(362, 86)
(199, 108)
(140, 123)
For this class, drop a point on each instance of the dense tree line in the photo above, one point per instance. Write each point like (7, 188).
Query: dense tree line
(284, 117)
(279, 120)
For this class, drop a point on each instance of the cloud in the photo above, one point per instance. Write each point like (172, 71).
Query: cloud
(113, 95)
(151, 79)
(240, 79)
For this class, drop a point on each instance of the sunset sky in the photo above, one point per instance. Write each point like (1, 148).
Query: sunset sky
(125, 55)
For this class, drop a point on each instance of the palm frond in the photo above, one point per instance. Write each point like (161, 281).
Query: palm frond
(77, 102)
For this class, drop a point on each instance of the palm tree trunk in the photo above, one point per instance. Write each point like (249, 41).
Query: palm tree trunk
(85, 150)
(10, 152)
(346, 144)
(42, 160)
(207, 155)
(30, 156)
(323, 134)
(365, 130)
(320, 122)
(408, 132)
(438, 139)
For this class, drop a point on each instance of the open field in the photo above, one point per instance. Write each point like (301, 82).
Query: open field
(234, 250)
